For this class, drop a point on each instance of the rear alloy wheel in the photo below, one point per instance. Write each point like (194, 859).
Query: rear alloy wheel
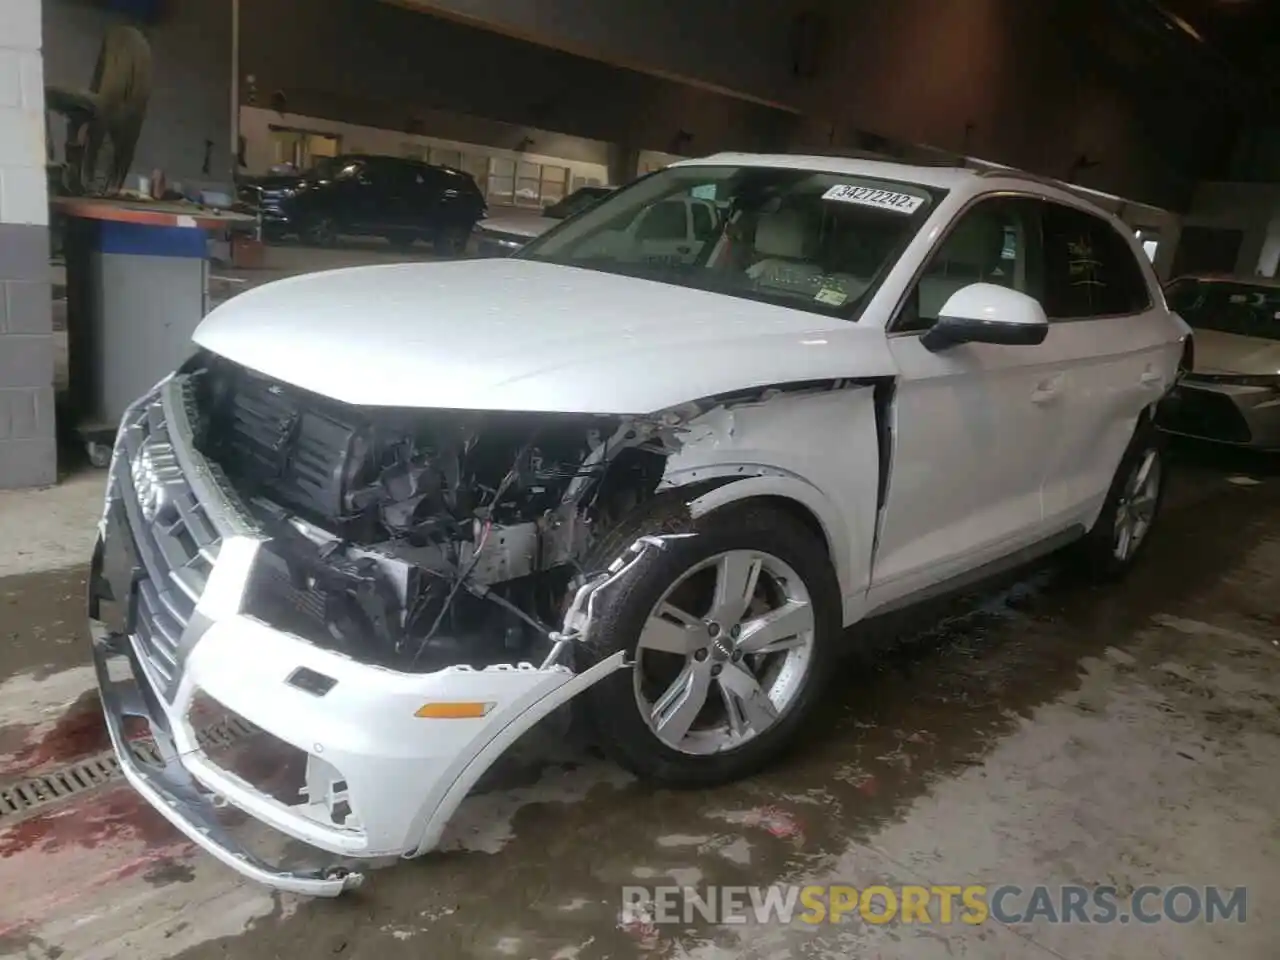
(1117, 539)
(1136, 508)
(730, 634)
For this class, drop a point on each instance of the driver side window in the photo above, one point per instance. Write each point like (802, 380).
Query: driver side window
(996, 241)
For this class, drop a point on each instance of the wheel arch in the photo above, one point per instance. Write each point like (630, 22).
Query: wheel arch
(821, 449)
(795, 497)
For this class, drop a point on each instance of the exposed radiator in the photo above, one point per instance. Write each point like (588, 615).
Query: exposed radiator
(281, 441)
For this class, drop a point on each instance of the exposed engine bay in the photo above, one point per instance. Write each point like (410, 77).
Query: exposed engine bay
(419, 539)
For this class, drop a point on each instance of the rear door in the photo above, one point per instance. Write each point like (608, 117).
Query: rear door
(455, 199)
(1114, 335)
(398, 195)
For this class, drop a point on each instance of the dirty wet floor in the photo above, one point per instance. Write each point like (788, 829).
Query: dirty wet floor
(1051, 733)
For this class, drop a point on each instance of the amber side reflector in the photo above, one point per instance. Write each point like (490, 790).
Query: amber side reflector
(455, 710)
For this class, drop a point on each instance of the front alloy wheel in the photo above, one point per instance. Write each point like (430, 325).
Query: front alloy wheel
(730, 630)
(724, 653)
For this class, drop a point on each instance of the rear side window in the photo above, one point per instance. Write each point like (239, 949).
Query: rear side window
(1090, 271)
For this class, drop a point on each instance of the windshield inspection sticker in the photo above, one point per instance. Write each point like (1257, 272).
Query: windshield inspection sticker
(831, 296)
(871, 197)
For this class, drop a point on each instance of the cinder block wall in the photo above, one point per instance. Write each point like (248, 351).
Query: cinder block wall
(28, 453)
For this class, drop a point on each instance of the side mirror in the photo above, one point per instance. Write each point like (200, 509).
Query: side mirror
(987, 313)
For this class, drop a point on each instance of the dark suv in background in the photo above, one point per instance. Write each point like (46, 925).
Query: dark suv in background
(360, 195)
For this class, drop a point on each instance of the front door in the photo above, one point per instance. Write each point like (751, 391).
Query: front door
(974, 424)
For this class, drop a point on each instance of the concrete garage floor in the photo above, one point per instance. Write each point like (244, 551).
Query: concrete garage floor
(1049, 734)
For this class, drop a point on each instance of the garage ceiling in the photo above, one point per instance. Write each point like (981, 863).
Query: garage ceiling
(1232, 45)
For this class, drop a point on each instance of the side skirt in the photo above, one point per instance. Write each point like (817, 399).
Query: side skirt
(887, 622)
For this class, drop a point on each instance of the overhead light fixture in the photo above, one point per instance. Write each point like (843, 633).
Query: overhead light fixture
(1185, 27)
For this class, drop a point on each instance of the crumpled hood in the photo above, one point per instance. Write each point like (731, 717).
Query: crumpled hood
(1218, 352)
(520, 335)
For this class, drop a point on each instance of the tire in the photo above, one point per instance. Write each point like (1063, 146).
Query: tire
(99, 454)
(624, 708)
(401, 241)
(452, 241)
(320, 232)
(1100, 555)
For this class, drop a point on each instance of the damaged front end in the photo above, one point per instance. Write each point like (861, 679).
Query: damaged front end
(415, 540)
(390, 598)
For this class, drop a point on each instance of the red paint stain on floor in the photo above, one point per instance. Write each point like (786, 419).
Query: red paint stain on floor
(777, 821)
(53, 864)
(110, 818)
(80, 732)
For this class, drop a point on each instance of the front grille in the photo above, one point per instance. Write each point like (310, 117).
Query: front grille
(176, 543)
(1205, 413)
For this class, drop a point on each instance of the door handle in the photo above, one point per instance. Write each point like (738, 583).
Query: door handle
(1047, 390)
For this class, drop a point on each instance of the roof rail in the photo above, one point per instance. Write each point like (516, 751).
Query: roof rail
(985, 170)
(857, 153)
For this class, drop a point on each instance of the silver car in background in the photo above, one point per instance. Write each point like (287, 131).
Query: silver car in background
(508, 229)
(1231, 392)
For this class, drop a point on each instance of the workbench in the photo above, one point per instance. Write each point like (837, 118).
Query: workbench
(137, 287)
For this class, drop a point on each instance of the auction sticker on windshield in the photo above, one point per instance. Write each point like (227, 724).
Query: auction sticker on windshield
(873, 197)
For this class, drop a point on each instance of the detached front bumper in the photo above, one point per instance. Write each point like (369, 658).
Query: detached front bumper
(172, 648)
(170, 788)
(380, 782)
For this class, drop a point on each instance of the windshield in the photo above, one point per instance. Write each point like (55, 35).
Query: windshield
(813, 241)
(1228, 306)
